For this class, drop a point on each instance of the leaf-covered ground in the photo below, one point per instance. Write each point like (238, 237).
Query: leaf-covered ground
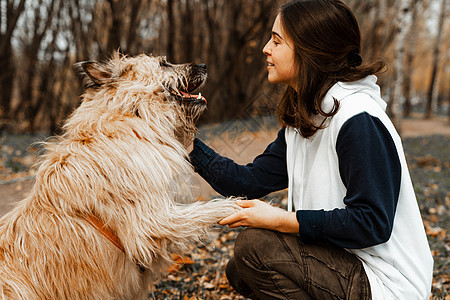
(429, 163)
(202, 275)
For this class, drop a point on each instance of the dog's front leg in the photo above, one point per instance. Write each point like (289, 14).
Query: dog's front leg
(173, 230)
(192, 221)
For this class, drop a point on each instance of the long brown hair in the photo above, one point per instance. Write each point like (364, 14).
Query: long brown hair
(327, 43)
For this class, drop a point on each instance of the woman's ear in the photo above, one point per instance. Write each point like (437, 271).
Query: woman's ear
(95, 73)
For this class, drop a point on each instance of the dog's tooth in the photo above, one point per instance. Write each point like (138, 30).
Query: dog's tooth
(199, 96)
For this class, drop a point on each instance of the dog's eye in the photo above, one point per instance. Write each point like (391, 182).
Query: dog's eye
(164, 63)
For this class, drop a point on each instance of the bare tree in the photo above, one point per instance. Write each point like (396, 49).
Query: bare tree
(131, 45)
(170, 30)
(234, 50)
(376, 19)
(40, 20)
(409, 54)
(80, 18)
(51, 82)
(434, 66)
(114, 33)
(404, 13)
(227, 35)
(10, 11)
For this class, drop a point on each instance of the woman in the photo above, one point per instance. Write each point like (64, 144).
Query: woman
(356, 232)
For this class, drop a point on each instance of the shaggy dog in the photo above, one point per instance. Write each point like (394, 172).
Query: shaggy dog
(110, 202)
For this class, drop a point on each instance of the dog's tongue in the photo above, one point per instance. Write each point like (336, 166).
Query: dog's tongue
(187, 95)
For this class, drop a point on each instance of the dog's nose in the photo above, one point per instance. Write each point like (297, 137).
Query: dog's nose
(202, 66)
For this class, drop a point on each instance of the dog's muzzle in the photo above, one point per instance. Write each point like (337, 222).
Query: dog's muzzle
(183, 94)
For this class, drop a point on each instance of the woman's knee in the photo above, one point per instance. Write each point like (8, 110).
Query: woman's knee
(253, 241)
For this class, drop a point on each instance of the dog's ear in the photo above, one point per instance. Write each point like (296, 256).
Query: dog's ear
(97, 74)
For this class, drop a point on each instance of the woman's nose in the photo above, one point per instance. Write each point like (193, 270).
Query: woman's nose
(266, 49)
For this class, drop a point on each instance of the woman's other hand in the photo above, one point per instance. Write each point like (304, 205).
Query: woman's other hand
(259, 214)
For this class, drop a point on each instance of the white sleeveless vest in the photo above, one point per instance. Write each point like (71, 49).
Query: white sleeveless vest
(401, 268)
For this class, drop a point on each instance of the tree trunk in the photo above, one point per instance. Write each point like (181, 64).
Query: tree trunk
(132, 27)
(434, 66)
(9, 17)
(170, 31)
(380, 28)
(410, 51)
(397, 99)
(41, 23)
(114, 33)
(76, 28)
(188, 33)
(6, 85)
(448, 112)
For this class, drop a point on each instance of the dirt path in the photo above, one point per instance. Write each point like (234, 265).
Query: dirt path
(242, 149)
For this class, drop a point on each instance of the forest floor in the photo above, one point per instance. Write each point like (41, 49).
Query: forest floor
(201, 276)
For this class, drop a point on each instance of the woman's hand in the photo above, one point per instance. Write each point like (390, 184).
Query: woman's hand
(259, 214)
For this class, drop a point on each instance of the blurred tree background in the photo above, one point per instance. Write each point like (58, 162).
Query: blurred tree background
(40, 40)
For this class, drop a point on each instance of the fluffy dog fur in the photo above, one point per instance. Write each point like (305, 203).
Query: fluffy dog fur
(122, 159)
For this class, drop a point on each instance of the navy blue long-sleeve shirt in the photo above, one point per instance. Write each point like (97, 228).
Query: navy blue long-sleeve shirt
(369, 167)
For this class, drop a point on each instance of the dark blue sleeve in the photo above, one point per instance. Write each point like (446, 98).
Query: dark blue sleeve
(267, 173)
(371, 172)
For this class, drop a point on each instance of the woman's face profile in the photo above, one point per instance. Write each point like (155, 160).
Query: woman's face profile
(280, 56)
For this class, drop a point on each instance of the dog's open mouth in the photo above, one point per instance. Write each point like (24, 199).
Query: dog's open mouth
(187, 96)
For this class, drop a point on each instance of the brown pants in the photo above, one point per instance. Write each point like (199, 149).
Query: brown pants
(273, 265)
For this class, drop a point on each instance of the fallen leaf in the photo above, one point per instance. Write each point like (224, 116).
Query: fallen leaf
(434, 231)
(208, 285)
(179, 262)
